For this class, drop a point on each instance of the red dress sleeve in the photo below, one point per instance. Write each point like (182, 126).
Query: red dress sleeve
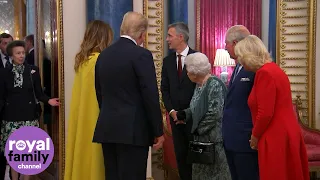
(265, 91)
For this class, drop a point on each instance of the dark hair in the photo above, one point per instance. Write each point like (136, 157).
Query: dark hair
(30, 38)
(5, 35)
(14, 44)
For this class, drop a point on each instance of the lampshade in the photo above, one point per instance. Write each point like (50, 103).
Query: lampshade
(223, 58)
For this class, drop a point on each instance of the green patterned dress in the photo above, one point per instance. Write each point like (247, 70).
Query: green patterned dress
(8, 127)
(209, 129)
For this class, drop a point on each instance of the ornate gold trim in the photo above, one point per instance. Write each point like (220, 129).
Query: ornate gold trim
(295, 8)
(300, 53)
(312, 58)
(60, 49)
(295, 25)
(295, 17)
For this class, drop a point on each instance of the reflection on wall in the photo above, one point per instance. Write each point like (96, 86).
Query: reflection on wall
(30, 16)
(7, 17)
(46, 14)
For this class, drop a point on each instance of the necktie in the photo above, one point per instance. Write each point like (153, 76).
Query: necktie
(7, 61)
(236, 71)
(179, 65)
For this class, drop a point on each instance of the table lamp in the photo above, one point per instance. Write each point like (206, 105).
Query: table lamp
(223, 60)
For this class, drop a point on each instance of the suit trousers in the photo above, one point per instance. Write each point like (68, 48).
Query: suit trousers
(243, 165)
(181, 137)
(123, 162)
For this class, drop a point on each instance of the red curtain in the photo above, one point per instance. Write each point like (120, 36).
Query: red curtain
(214, 17)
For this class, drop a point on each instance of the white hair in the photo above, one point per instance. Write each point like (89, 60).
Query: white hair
(198, 64)
(237, 33)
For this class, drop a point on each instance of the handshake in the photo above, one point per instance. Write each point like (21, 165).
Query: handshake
(179, 117)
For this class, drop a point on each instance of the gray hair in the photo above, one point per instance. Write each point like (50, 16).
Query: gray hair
(198, 64)
(237, 33)
(181, 28)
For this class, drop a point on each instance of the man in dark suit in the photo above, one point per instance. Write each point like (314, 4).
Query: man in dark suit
(237, 122)
(130, 118)
(177, 91)
(5, 39)
(30, 49)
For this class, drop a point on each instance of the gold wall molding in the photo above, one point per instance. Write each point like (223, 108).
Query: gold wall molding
(296, 51)
(153, 10)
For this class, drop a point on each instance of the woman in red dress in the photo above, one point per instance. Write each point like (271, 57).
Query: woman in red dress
(276, 133)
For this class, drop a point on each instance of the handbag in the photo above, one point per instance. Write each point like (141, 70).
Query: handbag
(38, 108)
(201, 152)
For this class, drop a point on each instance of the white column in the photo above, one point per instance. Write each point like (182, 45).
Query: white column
(265, 22)
(192, 23)
(74, 24)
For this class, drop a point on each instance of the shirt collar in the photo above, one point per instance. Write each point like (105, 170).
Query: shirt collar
(128, 37)
(2, 55)
(185, 52)
(31, 50)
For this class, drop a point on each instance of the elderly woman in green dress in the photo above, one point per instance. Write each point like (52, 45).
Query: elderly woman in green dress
(205, 114)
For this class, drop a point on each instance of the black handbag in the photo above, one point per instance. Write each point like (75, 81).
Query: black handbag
(38, 108)
(201, 152)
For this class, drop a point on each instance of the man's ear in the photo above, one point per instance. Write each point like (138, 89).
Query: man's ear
(235, 42)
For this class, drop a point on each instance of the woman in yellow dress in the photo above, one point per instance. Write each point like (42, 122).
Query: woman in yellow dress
(84, 159)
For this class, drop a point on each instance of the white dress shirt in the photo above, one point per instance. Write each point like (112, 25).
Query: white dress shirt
(128, 37)
(183, 54)
(3, 60)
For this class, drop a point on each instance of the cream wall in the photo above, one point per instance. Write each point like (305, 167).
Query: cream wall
(74, 23)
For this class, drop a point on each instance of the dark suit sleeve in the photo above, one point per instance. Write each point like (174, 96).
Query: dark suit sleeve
(165, 87)
(40, 95)
(2, 88)
(97, 83)
(145, 71)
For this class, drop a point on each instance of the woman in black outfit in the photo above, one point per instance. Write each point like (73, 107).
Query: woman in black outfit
(20, 88)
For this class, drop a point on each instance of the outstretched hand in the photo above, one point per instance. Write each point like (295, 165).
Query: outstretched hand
(54, 102)
(158, 142)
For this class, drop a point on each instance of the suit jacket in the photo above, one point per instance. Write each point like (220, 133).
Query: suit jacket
(30, 58)
(1, 64)
(176, 93)
(237, 121)
(18, 104)
(127, 94)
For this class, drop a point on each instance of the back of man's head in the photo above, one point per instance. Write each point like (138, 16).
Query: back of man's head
(30, 38)
(237, 33)
(133, 25)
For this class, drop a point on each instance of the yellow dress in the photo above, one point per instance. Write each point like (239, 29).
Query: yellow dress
(84, 159)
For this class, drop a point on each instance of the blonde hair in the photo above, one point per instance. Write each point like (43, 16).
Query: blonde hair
(97, 37)
(252, 52)
(237, 33)
(133, 24)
